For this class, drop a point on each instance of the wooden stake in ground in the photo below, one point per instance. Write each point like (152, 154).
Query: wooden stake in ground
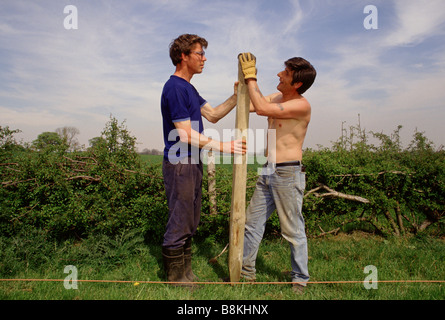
(238, 212)
(211, 171)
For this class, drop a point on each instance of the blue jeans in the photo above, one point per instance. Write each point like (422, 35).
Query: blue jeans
(281, 189)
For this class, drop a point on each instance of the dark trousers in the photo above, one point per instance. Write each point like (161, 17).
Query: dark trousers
(183, 187)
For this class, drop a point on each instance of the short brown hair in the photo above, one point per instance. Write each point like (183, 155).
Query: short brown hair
(303, 72)
(183, 45)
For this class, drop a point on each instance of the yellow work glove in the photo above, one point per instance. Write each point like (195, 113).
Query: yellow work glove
(248, 61)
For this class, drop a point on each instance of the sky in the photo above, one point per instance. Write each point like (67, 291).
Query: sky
(116, 62)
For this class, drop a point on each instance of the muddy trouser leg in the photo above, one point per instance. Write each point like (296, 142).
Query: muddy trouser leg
(183, 185)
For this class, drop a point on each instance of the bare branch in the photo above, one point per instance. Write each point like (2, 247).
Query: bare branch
(84, 178)
(13, 183)
(370, 174)
(336, 194)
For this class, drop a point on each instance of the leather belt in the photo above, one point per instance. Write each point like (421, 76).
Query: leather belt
(286, 164)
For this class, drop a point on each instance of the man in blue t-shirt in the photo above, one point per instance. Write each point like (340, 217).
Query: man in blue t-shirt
(182, 109)
(180, 102)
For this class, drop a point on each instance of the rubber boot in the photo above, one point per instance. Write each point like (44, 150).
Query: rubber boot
(174, 266)
(188, 261)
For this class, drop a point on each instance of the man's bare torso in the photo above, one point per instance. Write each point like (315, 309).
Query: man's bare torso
(289, 134)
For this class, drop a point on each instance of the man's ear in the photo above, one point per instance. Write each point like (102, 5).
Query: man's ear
(297, 85)
(184, 57)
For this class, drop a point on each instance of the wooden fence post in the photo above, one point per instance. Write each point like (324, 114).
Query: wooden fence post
(238, 212)
(211, 176)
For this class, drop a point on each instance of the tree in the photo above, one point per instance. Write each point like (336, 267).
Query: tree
(94, 142)
(68, 136)
(116, 144)
(7, 140)
(153, 152)
(46, 140)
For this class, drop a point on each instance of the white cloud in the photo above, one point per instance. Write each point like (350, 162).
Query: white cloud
(416, 21)
(296, 18)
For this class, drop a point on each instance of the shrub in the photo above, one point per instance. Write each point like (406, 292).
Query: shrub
(381, 188)
(104, 190)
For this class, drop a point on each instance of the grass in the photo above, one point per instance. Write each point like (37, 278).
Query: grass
(127, 257)
(151, 159)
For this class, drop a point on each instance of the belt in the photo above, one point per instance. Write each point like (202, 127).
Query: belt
(286, 164)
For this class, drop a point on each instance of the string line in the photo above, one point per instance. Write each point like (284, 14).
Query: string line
(223, 282)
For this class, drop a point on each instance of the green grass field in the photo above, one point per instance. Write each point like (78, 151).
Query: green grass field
(225, 161)
(128, 258)
(151, 160)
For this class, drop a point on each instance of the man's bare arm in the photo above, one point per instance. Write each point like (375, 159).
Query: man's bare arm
(215, 114)
(196, 139)
(285, 110)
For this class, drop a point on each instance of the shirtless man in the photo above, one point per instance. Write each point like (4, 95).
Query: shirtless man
(283, 187)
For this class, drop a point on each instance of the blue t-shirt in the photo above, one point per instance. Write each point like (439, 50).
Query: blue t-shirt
(180, 101)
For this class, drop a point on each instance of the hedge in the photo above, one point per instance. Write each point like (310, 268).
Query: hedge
(354, 185)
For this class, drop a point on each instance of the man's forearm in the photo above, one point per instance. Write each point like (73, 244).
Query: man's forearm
(256, 97)
(196, 139)
(188, 135)
(203, 142)
(199, 140)
(224, 108)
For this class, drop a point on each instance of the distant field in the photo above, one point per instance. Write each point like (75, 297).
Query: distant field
(150, 159)
(224, 161)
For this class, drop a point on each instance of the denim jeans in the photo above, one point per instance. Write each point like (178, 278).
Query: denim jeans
(280, 189)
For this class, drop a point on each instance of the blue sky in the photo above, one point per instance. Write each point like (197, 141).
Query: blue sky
(117, 61)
